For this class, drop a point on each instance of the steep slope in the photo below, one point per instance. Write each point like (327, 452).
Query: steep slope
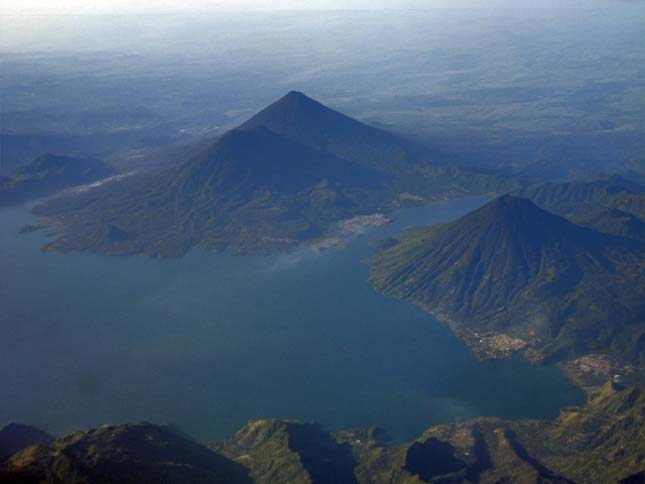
(481, 451)
(124, 454)
(48, 174)
(513, 276)
(252, 190)
(604, 441)
(304, 120)
(15, 437)
(415, 168)
(258, 159)
(278, 451)
(285, 176)
(601, 442)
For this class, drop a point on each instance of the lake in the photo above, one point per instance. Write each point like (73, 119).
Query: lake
(209, 341)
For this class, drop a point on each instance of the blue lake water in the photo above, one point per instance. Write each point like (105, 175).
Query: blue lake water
(210, 341)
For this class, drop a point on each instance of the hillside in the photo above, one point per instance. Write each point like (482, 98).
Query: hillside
(415, 168)
(252, 190)
(48, 174)
(601, 442)
(15, 437)
(304, 120)
(511, 276)
(123, 454)
(290, 451)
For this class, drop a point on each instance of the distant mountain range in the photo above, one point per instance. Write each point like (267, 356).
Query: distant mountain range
(285, 176)
(512, 276)
(580, 196)
(599, 443)
(609, 204)
(48, 174)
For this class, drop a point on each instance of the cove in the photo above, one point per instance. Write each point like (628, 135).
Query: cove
(210, 341)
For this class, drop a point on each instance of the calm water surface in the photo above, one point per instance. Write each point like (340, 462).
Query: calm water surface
(210, 341)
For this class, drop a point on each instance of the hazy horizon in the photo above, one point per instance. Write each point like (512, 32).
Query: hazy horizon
(67, 7)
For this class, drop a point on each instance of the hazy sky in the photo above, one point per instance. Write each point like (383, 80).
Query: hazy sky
(18, 7)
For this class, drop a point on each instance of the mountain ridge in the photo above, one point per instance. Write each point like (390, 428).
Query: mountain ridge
(602, 441)
(580, 196)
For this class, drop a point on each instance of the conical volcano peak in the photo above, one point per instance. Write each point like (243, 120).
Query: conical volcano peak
(515, 221)
(300, 118)
(291, 111)
(296, 96)
(512, 266)
(509, 206)
(254, 156)
(511, 203)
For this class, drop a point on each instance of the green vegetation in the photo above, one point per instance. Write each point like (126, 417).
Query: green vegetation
(511, 276)
(290, 451)
(601, 442)
(15, 437)
(123, 454)
(252, 191)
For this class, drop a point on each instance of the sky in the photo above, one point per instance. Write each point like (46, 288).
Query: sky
(61, 7)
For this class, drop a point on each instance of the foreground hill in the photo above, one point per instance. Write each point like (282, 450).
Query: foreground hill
(602, 442)
(512, 276)
(15, 437)
(48, 174)
(124, 454)
(284, 177)
(290, 451)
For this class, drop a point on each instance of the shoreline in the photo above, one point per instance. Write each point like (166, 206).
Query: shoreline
(588, 372)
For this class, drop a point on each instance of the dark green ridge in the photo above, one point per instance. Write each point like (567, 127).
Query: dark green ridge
(511, 267)
(598, 443)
